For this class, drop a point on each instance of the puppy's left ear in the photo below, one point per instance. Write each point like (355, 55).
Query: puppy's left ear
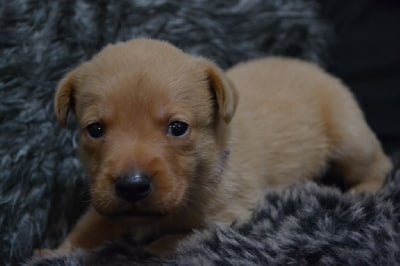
(225, 92)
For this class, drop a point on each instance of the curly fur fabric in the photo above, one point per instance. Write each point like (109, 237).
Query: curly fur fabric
(42, 189)
(302, 225)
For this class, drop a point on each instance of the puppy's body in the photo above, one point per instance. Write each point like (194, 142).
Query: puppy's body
(291, 120)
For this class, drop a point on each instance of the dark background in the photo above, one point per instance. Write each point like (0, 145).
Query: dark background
(365, 53)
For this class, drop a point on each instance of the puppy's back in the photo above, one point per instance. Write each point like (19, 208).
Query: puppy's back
(298, 117)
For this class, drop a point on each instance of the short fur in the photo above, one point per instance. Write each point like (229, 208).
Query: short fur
(291, 120)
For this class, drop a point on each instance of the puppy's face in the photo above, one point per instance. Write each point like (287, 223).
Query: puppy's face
(152, 126)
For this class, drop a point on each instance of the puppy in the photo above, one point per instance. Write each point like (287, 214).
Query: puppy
(168, 147)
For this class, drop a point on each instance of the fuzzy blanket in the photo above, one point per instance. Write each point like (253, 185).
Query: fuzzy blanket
(42, 188)
(301, 225)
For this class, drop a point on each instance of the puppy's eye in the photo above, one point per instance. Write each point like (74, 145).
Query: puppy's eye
(178, 128)
(95, 130)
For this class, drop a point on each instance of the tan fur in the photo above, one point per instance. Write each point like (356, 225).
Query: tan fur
(264, 124)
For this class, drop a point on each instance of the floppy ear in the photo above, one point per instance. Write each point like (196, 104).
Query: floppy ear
(63, 99)
(225, 92)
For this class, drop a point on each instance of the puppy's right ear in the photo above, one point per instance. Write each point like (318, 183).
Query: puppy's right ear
(63, 100)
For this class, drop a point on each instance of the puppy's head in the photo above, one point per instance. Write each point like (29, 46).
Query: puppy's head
(153, 126)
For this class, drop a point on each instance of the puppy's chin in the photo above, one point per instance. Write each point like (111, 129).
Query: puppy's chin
(132, 216)
(144, 211)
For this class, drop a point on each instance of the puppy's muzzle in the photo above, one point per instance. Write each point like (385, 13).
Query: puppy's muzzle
(133, 187)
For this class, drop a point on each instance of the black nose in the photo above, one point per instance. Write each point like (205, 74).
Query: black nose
(133, 187)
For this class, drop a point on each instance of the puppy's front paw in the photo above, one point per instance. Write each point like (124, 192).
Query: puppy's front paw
(43, 252)
(50, 253)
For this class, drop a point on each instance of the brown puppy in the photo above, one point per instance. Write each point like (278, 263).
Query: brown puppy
(168, 146)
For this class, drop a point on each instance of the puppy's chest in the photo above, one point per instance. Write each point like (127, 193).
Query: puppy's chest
(178, 224)
(236, 201)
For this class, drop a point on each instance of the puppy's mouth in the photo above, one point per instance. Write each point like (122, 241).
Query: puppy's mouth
(132, 213)
(139, 214)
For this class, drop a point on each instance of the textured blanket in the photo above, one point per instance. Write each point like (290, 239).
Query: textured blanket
(301, 225)
(42, 188)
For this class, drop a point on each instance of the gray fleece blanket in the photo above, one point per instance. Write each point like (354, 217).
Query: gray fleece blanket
(302, 225)
(42, 187)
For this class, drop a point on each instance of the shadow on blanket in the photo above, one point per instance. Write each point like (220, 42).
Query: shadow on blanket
(301, 225)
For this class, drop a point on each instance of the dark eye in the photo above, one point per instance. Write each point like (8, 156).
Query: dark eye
(95, 130)
(177, 128)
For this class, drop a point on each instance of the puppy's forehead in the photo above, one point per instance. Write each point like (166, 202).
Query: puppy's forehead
(142, 73)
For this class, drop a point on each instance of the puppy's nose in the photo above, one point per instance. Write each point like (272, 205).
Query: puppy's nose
(133, 187)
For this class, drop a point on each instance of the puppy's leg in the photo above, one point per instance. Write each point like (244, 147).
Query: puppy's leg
(91, 231)
(166, 245)
(357, 153)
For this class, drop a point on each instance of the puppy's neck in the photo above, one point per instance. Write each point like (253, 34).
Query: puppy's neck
(222, 164)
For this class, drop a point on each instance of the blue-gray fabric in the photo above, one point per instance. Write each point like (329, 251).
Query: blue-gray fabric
(42, 187)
